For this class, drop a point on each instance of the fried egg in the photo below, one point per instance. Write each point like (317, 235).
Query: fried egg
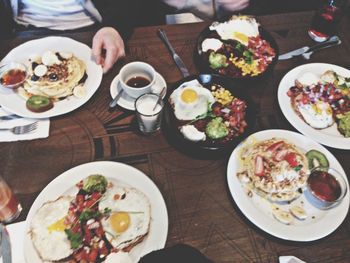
(308, 79)
(130, 216)
(47, 230)
(190, 101)
(318, 115)
(238, 28)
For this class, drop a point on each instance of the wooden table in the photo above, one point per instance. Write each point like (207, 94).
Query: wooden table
(200, 207)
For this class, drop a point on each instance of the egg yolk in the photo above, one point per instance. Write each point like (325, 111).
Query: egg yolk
(57, 226)
(119, 221)
(189, 96)
(241, 37)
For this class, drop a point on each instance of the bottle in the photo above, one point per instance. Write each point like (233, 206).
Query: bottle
(327, 17)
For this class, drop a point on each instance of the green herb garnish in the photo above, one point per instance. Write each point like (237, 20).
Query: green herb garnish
(76, 240)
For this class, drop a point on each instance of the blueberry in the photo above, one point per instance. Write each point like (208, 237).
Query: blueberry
(53, 77)
(34, 78)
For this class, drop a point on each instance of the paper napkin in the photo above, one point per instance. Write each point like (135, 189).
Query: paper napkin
(17, 232)
(290, 259)
(42, 130)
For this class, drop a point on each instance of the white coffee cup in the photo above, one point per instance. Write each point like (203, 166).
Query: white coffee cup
(137, 78)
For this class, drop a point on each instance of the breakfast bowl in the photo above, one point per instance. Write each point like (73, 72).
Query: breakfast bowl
(199, 122)
(325, 187)
(238, 48)
(12, 75)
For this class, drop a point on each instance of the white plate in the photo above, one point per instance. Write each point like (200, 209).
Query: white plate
(12, 102)
(258, 210)
(117, 172)
(329, 136)
(127, 102)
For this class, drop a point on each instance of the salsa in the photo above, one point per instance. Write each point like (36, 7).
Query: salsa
(12, 77)
(324, 185)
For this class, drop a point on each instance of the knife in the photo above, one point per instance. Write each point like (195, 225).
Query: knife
(5, 245)
(179, 63)
(9, 117)
(307, 51)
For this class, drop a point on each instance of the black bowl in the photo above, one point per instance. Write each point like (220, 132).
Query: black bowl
(207, 150)
(202, 63)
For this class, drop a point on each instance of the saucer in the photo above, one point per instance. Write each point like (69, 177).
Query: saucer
(127, 102)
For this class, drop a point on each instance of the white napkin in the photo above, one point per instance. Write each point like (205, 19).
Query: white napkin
(42, 130)
(16, 233)
(290, 259)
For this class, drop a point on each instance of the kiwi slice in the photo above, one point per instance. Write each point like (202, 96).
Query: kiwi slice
(317, 159)
(37, 103)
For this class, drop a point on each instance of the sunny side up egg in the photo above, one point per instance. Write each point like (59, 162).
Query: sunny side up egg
(318, 115)
(47, 230)
(130, 218)
(190, 101)
(238, 28)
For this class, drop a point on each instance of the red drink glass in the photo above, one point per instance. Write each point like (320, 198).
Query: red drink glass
(10, 208)
(326, 19)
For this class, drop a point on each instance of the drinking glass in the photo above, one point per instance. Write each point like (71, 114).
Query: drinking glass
(149, 112)
(327, 17)
(10, 208)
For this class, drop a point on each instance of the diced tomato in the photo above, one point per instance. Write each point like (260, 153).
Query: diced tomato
(305, 99)
(291, 158)
(259, 166)
(80, 255)
(280, 155)
(92, 255)
(275, 146)
(87, 235)
(96, 195)
(99, 231)
(79, 199)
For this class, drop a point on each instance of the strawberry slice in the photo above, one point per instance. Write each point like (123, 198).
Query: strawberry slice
(259, 166)
(280, 155)
(275, 146)
(291, 158)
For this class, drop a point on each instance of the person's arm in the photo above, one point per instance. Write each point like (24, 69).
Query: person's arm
(118, 20)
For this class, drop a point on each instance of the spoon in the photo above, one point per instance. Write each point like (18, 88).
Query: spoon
(161, 94)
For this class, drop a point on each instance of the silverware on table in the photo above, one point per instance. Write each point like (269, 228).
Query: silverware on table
(10, 117)
(178, 61)
(114, 102)
(161, 94)
(22, 129)
(5, 245)
(306, 51)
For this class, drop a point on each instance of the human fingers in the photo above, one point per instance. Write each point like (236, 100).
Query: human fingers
(97, 46)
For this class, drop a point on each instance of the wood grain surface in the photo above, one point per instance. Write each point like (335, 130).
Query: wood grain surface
(201, 210)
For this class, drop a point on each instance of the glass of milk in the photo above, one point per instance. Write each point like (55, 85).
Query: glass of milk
(149, 112)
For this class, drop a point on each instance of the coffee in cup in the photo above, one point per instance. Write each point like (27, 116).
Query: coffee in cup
(137, 78)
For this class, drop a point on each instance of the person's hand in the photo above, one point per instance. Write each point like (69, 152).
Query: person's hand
(108, 39)
(233, 5)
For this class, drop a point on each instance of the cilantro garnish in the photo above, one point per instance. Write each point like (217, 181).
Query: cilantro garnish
(76, 239)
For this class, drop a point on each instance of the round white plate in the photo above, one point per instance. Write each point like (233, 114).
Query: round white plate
(318, 224)
(116, 172)
(329, 136)
(12, 102)
(127, 102)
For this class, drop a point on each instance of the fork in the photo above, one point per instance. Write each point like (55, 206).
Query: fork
(22, 129)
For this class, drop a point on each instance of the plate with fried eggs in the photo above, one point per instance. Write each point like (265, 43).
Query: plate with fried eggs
(317, 117)
(207, 115)
(238, 48)
(136, 224)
